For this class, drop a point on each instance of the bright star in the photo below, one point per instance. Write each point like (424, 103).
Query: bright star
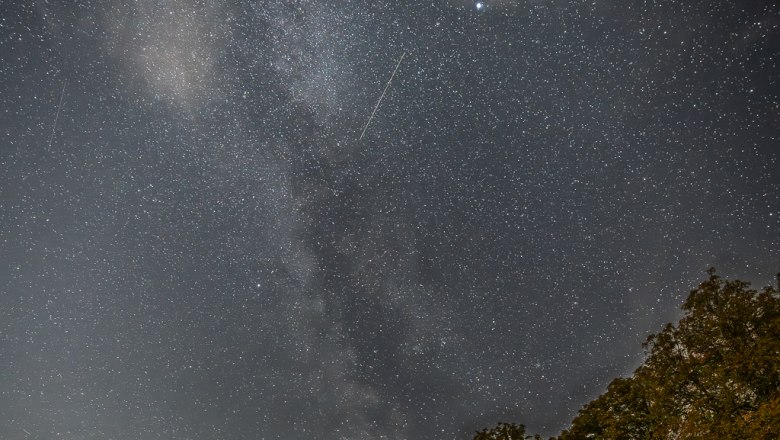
(479, 5)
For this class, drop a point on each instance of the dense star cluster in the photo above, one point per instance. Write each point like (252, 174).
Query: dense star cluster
(195, 244)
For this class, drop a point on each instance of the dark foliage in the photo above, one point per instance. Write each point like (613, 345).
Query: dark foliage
(716, 374)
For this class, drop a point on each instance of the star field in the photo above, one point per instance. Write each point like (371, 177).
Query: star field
(195, 244)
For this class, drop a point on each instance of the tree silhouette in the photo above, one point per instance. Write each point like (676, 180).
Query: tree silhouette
(716, 374)
(504, 431)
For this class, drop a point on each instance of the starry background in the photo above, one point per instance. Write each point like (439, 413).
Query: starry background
(194, 243)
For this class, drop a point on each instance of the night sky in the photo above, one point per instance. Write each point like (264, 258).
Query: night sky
(195, 243)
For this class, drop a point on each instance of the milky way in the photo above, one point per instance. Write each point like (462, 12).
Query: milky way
(195, 243)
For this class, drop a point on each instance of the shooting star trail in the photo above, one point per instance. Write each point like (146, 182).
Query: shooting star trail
(57, 117)
(383, 95)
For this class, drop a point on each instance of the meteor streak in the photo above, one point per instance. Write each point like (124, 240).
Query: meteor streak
(383, 95)
(57, 117)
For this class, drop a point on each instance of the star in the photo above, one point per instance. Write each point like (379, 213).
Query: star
(264, 259)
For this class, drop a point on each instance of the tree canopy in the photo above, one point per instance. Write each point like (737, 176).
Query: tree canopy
(508, 431)
(716, 374)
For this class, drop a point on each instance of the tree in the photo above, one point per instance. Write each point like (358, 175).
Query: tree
(620, 413)
(716, 374)
(504, 431)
